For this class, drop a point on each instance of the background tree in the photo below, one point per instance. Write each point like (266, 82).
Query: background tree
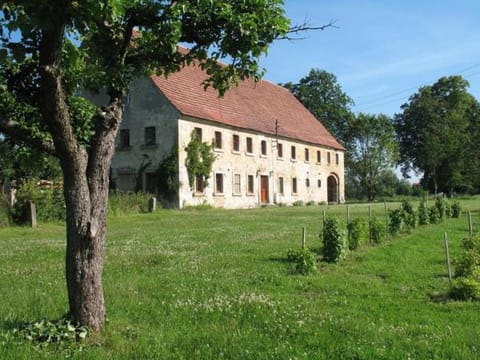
(51, 48)
(472, 171)
(436, 135)
(388, 185)
(320, 93)
(19, 163)
(374, 150)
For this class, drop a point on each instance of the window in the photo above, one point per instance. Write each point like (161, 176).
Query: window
(236, 184)
(319, 156)
(264, 147)
(319, 183)
(250, 189)
(249, 145)
(294, 153)
(280, 150)
(307, 183)
(218, 183)
(307, 155)
(294, 185)
(150, 138)
(124, 138)
(199, 184)
(280, 185)
(218, 140)
(337, 159)
(236, 143)
(328, 158)
(198, 131)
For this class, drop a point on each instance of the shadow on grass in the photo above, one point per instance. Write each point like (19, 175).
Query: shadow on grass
(440, 297)
(11, 325)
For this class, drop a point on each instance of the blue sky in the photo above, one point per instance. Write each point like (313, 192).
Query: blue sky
(382, 51)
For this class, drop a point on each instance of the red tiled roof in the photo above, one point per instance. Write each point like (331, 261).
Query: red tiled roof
(250, 105)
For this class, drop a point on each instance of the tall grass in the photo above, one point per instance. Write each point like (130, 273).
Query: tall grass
(4, 212)
(121, 204)
(217, 285)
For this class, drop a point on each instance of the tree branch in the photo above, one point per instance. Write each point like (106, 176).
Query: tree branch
(295, 30)
(13, 129)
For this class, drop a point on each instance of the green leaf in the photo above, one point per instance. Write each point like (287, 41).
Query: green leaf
(3, 55)
(18, 53)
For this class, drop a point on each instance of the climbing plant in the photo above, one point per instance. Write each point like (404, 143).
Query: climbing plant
(146, 162)
(167, 175)
(199, 159)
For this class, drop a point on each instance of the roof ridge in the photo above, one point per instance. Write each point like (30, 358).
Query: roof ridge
(253, 105)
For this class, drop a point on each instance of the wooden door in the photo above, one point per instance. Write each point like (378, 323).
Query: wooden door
(264, 189)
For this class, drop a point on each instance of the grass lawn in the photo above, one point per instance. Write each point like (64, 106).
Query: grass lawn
(216, 285)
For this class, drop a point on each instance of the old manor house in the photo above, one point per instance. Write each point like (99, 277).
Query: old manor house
(269, 149)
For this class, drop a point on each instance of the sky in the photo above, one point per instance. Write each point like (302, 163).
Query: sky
(381, 51)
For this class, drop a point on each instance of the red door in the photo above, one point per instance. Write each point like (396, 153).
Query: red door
(264, 189)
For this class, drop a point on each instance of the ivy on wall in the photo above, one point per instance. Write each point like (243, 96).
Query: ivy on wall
(146, 162)
(199, 159)
(167, 176)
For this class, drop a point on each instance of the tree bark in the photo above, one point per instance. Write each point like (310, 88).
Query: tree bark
(85, 175)
(86, 197)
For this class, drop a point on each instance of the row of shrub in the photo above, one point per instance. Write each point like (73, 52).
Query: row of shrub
(407, 218)
(337, 242)
(50, 204)
(466, 285)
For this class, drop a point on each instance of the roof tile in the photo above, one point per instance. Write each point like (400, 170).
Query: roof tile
(250, 105)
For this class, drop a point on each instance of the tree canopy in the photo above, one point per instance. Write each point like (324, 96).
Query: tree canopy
(374, 151)
(321, 94)
(438, 135)
(52, 49)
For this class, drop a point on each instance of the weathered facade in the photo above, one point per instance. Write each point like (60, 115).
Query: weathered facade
(268, 148)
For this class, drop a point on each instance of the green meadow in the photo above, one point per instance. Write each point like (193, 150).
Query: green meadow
(216, 284)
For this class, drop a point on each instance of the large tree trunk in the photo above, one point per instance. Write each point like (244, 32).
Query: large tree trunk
(84, 266)
(86, 197)
(86, 175)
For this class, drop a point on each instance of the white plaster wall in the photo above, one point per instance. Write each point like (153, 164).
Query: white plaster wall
(146, 106)
(229, 162)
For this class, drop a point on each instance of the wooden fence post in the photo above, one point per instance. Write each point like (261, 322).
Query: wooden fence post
(386, 219)
(304, 235)
(32, 214)
(470, 226)
(447, 257)
(369, 223)
(348, 224)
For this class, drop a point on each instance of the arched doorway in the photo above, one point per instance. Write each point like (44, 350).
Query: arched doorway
(332, 189)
